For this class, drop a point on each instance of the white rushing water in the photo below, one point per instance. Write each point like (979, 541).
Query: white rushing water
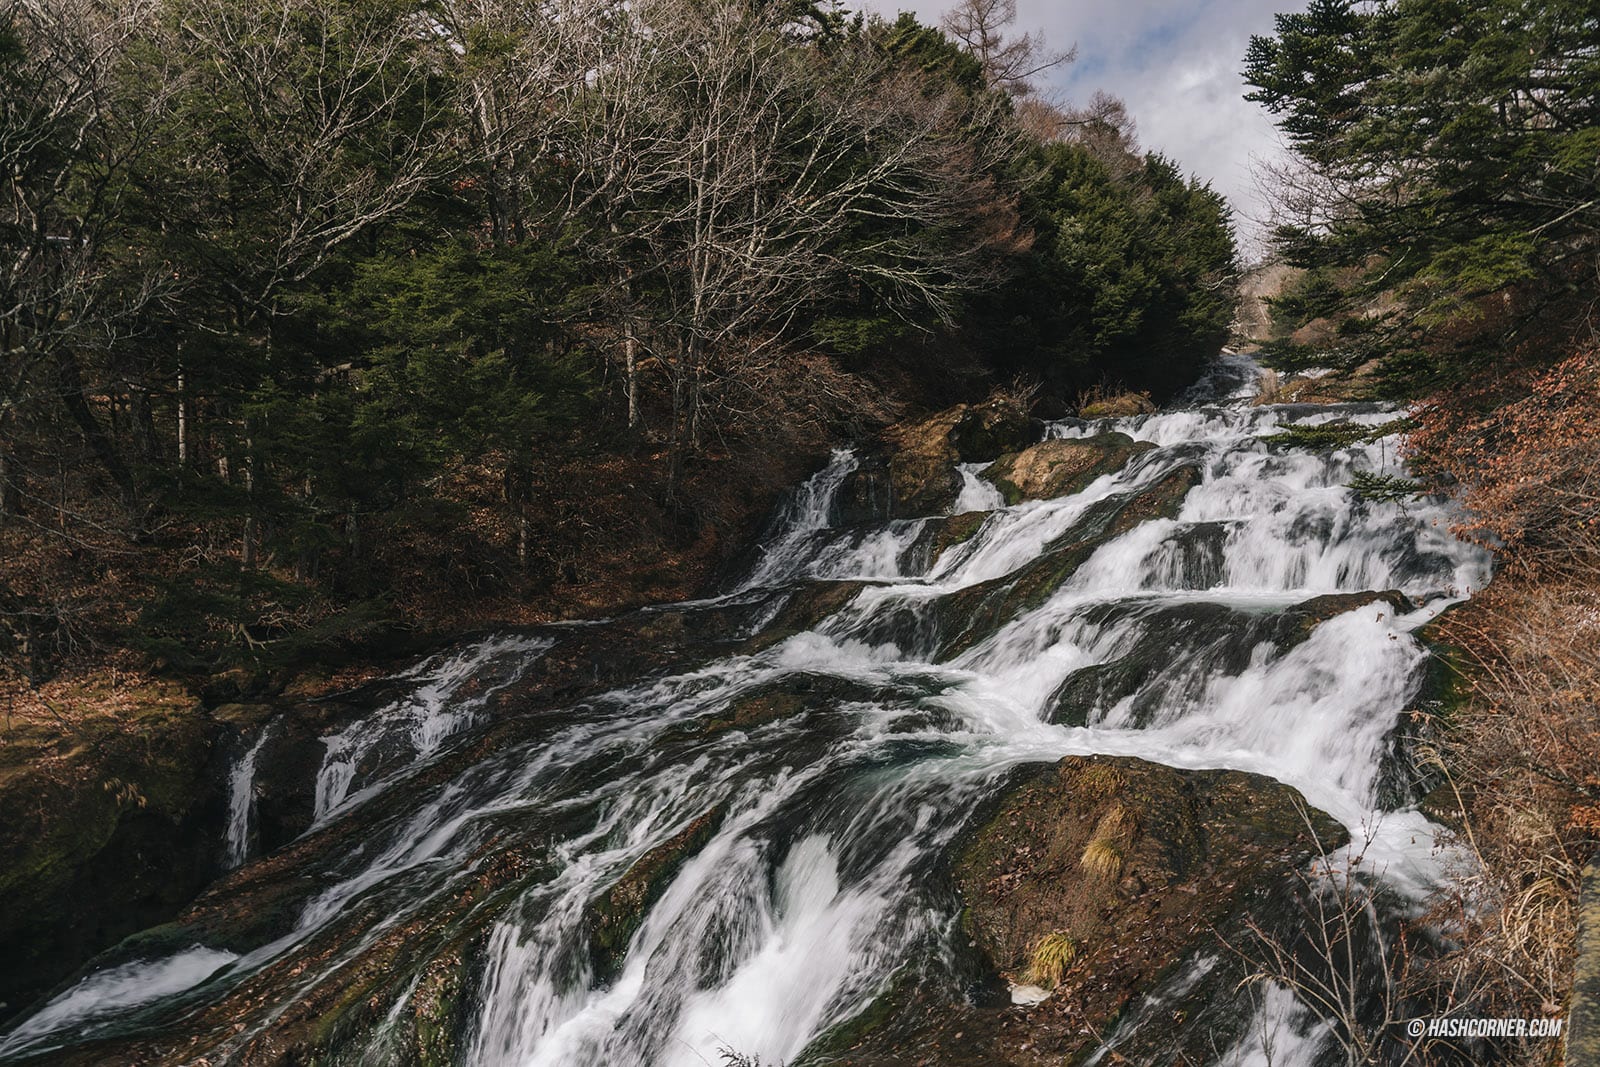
(811, 885)
(242, 800)
(451, 690)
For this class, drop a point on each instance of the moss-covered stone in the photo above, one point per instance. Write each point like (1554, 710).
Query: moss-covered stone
(915, 473)
(613, 917)
(110, 820)
(923, 479)
(1121, 406)
(1194, 848)
(956, 530)
(1309, 614)
(802, 611)
(1056, 468)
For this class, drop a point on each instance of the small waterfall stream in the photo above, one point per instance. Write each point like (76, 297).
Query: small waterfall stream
(816, 832)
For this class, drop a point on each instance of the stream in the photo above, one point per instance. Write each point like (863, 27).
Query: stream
(810, 784)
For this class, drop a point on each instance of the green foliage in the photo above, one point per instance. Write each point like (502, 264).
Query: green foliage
(1453, 146)
(462, 355)
(1329, 436)
(1383, 488)
(1131, 277)
(223, 616)
(296, 292)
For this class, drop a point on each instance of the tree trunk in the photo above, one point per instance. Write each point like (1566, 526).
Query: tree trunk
(677, 441)
(8, 493)
(143, 423)
(183, 423)
(630, 358)
(247, 553)
(70, 377)
(696, 395)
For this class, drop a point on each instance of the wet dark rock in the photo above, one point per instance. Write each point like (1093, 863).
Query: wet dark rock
(971, 614)
(111, 831)
(614, 916)
(866, 495)
(955, 530)
(803, 609)
(1309, 614)
(912, 472)
(1179, 642)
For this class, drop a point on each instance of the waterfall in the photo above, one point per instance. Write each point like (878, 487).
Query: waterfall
(242, 801)
(415, 726)
(792, 798)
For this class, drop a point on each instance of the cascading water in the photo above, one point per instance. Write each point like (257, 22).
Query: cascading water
(808, 786)
(242, 801)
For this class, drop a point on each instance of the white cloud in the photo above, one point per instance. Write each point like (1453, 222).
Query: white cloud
(1178, 68)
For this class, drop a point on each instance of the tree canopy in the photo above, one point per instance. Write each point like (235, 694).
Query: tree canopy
(1447, 152)
(287, 283)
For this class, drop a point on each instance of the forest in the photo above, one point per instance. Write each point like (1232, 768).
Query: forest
(747, 531)
(327, 321)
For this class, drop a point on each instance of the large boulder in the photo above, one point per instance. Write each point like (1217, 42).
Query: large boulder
(1092, 880)
(913, 472)
(111, 819)
(1056, 468)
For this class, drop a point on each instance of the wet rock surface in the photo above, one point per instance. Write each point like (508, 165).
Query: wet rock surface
(913, 471)
(1135, 865)
(105, 833)
(807, 796)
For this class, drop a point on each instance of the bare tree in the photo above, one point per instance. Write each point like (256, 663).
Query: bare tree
(69, 135)
(761, 176)
(1009, 63)
(325, 105)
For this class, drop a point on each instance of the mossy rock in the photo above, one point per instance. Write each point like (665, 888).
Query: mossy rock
(1121, 406)
(956, 530)
(916, 469)
(807, 606)
(990, 430)
(1057, 468)
(923, 479)
(1309, 614)
(1196, 850)
(613, 917)
(1023, 873)
(108, 826)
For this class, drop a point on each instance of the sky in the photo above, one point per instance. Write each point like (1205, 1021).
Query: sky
(1176, 65)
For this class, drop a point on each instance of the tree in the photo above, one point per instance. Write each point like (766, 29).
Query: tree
(70, 133)
(1445, 151)
(1009, 63)
(1130, 279)
(763, 174)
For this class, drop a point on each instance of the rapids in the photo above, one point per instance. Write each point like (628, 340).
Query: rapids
(817, 877)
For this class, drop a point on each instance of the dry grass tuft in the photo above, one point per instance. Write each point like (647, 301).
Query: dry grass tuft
(1100, 780)
(1118, 823)
(1102, 859)
(1051, 959)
